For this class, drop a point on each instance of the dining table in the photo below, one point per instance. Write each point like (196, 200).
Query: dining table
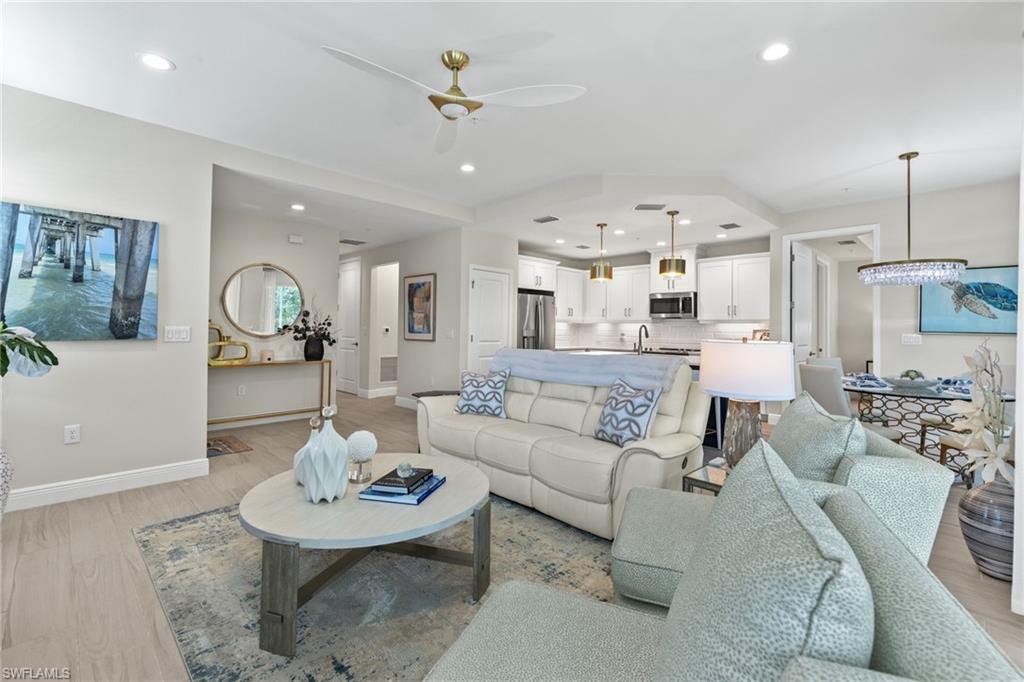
(902, 407)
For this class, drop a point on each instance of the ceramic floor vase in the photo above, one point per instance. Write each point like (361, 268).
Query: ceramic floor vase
(986, 520)
(313, 350)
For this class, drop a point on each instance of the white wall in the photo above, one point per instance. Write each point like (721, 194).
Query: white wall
(139, 403)
(239, 239)
(855, 311)
(384, 306)
(978, 223)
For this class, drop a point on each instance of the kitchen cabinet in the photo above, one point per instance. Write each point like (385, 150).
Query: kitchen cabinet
(734, 288)
(595, 301)
(569, 284)
(629, 294)
(537, 273)
(687, 282)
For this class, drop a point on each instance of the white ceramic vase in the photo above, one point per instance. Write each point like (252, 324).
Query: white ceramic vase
(297, 469)
(325, 466)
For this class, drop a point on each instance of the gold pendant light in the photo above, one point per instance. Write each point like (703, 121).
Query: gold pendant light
(601, 271)
(672, 266)
(911, 272)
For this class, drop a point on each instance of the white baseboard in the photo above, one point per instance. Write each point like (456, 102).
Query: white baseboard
(407, 403)
(75, 489)
(381, 392)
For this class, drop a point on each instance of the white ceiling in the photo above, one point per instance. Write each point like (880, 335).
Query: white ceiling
(674, 89)
(352, 217)
(860, 252)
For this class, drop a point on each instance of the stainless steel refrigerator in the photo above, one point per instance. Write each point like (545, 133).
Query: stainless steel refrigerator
(536, 321)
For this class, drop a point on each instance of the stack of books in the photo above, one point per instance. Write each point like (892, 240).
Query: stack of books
(403, 490)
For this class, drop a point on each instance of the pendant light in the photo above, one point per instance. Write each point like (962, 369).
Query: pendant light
(672, 266)
(912, 271)
(601, 271)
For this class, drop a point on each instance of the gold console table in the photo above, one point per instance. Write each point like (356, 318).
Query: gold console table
(324, 399)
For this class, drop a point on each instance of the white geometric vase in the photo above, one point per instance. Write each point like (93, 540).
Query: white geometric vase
(297, 469)
(325, 464)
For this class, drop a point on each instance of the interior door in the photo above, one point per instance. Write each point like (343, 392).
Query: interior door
(347, 367)
(490, 316)
(801, 298)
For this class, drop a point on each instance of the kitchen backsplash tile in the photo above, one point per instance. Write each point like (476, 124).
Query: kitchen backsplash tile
(663, 333)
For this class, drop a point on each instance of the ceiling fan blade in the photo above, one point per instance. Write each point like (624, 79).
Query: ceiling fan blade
(366, 66)
(447, 133)
(533, 95)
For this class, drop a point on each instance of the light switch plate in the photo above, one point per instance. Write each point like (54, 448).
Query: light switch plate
(177, 334)
(296, 239)
(911, 339)
(72, 434)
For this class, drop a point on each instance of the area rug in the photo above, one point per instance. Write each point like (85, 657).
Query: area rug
(225, 445)
(388, 617)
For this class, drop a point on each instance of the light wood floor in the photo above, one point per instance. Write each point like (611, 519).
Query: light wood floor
(76, 593)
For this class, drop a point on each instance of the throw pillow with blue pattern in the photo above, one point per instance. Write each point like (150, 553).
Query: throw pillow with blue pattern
(627, 413)
(483, 394)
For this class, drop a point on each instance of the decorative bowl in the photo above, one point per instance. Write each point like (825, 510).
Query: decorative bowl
(900, 382)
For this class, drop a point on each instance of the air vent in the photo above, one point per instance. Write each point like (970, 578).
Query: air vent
(352, 242)
(729, 226)
(388, 368)
(846, 242)
(649, 207)
(582, 246)
(545, 219)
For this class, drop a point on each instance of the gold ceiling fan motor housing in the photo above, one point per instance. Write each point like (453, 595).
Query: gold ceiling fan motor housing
(454, 104)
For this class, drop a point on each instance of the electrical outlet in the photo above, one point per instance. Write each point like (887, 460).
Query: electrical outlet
(72, 434)
(911, 339)
(241, 389)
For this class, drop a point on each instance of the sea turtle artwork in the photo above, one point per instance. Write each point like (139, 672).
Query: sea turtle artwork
(981, 297)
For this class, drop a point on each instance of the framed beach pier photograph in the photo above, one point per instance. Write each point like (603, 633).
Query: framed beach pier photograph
(983, 301)
(420, 307)
(77, 276)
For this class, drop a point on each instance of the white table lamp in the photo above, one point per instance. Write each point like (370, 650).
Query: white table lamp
(746, 372)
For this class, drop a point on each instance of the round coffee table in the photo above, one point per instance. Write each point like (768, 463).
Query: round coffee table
(276, 512)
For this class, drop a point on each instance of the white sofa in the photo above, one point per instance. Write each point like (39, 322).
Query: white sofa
(545, 456)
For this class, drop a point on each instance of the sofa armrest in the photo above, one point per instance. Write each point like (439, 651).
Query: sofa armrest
(668, 447)
(877, 445)
(695, 414)
(908, 494)
(806, 669)
(431, 407)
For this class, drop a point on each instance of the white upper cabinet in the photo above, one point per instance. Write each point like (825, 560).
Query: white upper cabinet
(687, 282)
(734, 288)
(629, 294)
(569, 284)
(595, 301)
(537, 273)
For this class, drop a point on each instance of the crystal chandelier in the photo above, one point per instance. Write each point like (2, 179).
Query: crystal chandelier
(672, 266)
(912, 271)
(601, 271)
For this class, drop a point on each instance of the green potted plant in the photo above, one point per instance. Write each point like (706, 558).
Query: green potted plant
(22, 353)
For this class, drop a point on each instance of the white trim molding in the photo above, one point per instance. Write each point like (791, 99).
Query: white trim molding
(381, 392)
(75, 489)
(406, 402)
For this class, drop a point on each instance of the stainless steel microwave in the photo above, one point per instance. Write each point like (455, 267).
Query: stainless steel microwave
(673, 305)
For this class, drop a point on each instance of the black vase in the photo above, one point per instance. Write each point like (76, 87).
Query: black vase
(314, 349)
(986, 519)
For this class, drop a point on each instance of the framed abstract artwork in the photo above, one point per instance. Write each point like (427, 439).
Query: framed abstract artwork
(420, 307)
(78, 276)
(984, 301)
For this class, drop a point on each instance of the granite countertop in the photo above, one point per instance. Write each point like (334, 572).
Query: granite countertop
(692, 358)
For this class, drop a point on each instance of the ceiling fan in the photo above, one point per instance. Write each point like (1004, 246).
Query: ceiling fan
(453, 104)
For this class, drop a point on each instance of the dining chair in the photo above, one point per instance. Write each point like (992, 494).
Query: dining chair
(828, 361)
(824, 381)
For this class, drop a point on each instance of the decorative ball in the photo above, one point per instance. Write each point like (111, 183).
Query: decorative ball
(362, 445)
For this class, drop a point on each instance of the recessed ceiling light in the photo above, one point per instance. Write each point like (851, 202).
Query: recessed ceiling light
(298, 207)
(619, 232)
(683, 221)
(156, 62)
(467, 168)
(559, 241)
(775, 52)
(721, 236)
(661, 243)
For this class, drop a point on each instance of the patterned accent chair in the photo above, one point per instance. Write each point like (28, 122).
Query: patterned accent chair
(782, 584)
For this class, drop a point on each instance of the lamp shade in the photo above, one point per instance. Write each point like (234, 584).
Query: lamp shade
(751, 370)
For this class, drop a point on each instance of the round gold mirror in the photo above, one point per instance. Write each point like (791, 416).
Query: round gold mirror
(261, 298)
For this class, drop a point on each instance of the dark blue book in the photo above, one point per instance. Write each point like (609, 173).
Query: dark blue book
(415, 497)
